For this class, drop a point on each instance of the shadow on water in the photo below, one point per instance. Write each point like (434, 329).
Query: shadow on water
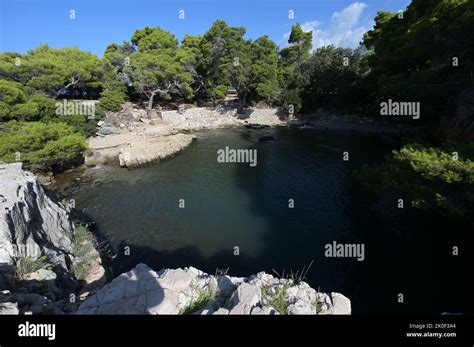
(306, 166)
(408, 267)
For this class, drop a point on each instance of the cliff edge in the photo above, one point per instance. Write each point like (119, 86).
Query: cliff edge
(50, 266)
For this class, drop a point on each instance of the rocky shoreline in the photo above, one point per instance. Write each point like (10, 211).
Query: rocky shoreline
(191, 291)
(42, 259)
(133, 137)
(48, 267)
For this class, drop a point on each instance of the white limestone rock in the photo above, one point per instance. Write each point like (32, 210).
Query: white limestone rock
(31, 219)
(244, 299)
(171, 291)
(341, 304)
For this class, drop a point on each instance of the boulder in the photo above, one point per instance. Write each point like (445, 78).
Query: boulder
(341, 304)
(171, 291)
(41, 275)
(8, 308)
(108, 130)
(244, 299)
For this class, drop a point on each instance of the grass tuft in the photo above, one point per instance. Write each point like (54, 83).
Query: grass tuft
(25, 265)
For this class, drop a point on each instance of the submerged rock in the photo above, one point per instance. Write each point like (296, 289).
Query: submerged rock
(266, 139)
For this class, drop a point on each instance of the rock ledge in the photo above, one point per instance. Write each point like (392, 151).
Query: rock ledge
(189, 290)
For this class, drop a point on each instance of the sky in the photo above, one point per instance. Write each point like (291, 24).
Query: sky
(25, 24)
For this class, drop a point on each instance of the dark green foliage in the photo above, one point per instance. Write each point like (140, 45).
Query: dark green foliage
(334, 78)
(34, 109)
(82, 124)
(432, 178)
(40, 146)
(293, 77)
(54, 72)
(112, 100)
(15, 103)
(414, 57)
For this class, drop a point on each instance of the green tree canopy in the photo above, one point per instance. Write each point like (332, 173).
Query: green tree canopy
(156, 67)
(425, 54)
(41, 146)
(54, 72)
(292, 77)
(230, 60)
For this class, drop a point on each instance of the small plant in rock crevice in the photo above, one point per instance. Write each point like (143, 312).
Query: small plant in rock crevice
(278, 299)
(204, 296)
(25, 265)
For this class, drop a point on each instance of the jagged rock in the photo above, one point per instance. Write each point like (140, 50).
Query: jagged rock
(262, 279)
(32, 299)
(108, 131)
(226, 285)
(341, 304)
(8, 308)
(171, 291)
(146, 121)
(301, 307)
(34, 223)
(41, 275)
(267, 310)
(244, 299)
(222, 310)
(36, 308)
(31, 219)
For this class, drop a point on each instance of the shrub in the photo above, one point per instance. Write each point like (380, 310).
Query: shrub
(25, 265)
(112, 100)
(200, 301)
(83, 243)
(433, 178)
(81, 270)
(291, 97)
(11, 92)
(279, 299)
(4, 111)
(83, 246)
(41, 146)
(82, 124)
(36, 108)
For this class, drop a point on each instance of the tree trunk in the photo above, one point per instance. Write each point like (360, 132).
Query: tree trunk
(150, 101)
(242, 102)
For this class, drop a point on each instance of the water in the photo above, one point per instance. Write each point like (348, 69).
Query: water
(235, 205)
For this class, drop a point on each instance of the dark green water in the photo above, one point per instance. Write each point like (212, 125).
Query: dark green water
(228, 205)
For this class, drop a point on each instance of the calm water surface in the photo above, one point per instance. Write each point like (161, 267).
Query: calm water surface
(229, 205)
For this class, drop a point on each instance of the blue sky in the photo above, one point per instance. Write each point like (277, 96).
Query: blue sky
(25, 24)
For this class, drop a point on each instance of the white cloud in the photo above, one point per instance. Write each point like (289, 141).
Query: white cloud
(346, 28)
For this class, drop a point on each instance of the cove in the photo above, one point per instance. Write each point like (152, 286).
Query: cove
(233, 205)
